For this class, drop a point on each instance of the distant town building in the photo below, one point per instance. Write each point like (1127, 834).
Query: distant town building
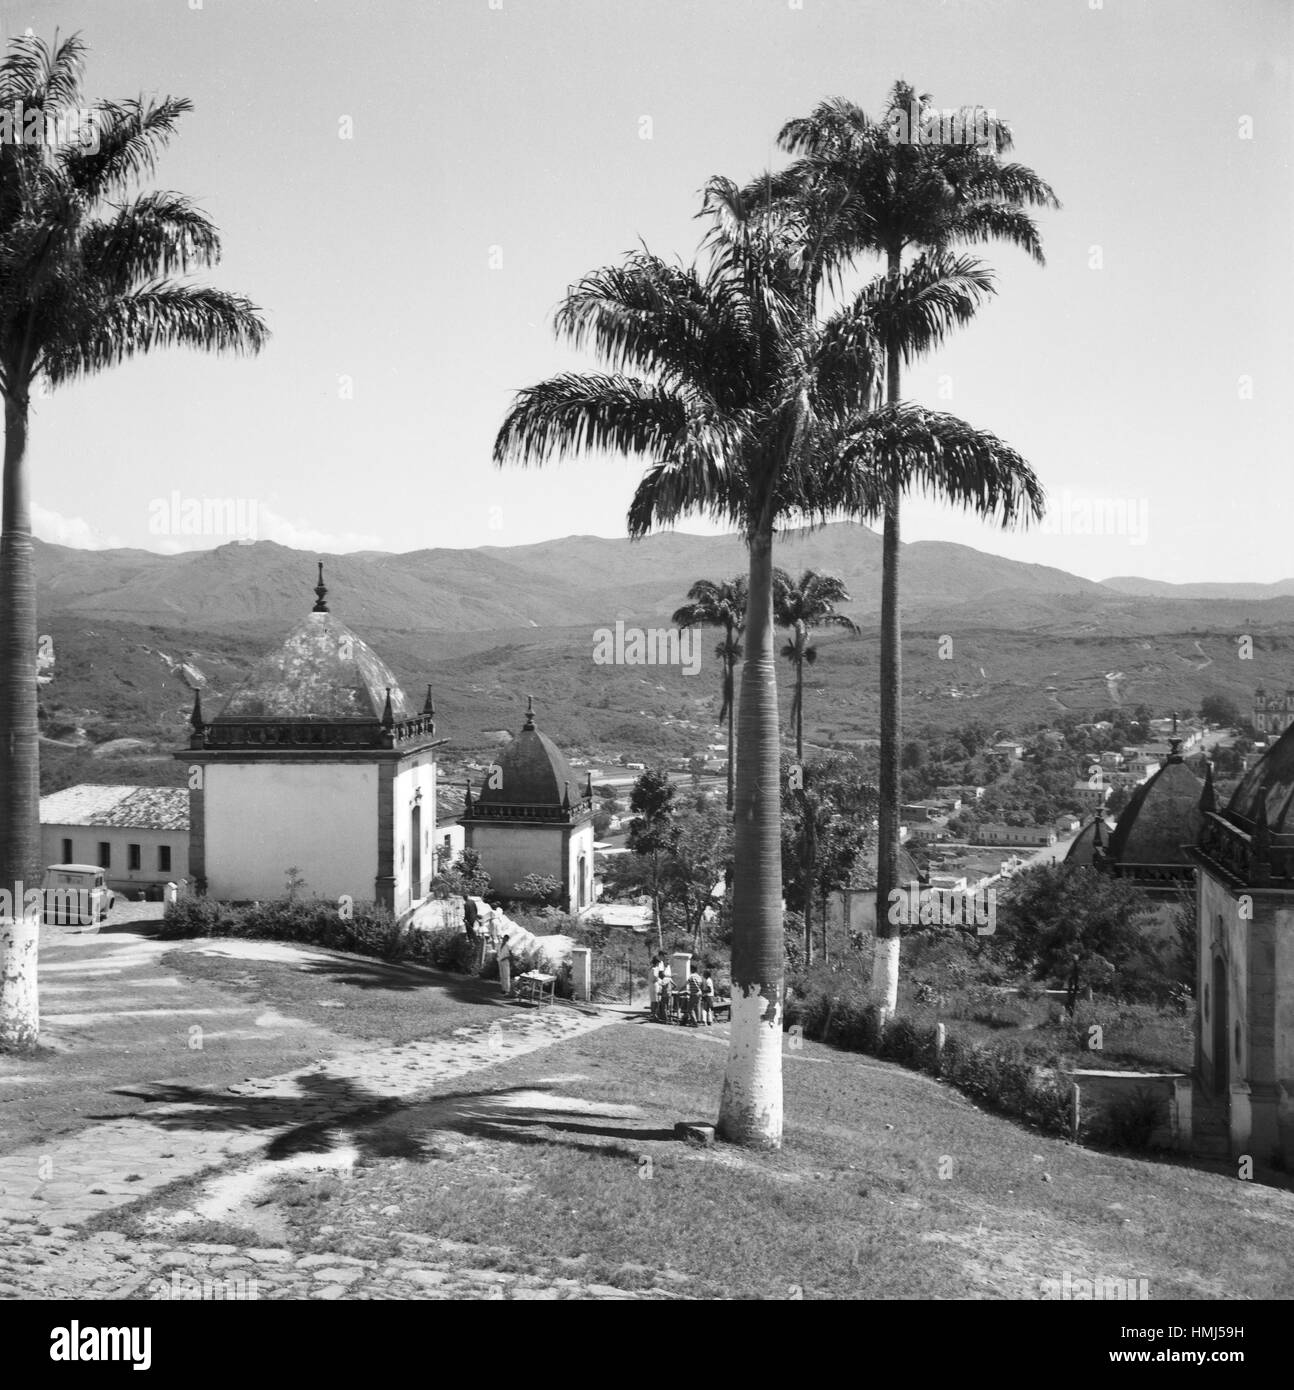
(995, 833)
(138, 835)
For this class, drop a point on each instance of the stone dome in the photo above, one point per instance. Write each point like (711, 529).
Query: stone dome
(1084, 843)
(1161, 819)
(321, 670)
(1269, 784)
(533, 772)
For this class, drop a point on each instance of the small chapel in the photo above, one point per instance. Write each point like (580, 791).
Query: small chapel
(318, 765)
(531, 817)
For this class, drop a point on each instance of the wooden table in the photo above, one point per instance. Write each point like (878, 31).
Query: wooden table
(536, 988)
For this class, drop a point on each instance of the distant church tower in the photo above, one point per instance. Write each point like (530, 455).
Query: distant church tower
(318, 763)
(530, 817)
(1273, 714)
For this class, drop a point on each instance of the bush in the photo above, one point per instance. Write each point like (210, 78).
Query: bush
(446, 948)
(370, 930)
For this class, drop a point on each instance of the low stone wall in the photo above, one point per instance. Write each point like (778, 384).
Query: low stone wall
(1101, 1094)
(434, 914)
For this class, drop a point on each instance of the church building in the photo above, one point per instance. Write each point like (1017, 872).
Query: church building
(1245, 935)
(317, 764)
(531, 817)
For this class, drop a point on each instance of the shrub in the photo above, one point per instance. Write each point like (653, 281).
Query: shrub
(445, 948)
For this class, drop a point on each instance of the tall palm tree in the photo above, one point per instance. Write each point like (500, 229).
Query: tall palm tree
(86, 269)
(720, 605)
(900, 195)
(804, 606)
(716, 376)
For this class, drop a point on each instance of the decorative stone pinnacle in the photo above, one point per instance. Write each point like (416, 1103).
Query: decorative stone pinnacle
(388, 714)
(429, 705)
(320, 593)
(529, 725)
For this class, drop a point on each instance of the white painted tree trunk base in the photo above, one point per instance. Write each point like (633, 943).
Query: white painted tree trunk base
(19, 1001)
(750, 1112)
(885, 976)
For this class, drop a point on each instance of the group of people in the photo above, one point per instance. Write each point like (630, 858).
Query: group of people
(696, 995)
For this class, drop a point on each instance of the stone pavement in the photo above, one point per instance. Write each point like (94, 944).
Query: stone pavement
(49, 1189)
(39, 1262)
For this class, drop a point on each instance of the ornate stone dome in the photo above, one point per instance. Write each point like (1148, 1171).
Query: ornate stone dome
(533, 780)
(322, 685)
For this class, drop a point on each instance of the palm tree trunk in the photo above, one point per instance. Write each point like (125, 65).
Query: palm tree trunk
(731, 692)
(751, 1109)
(19, 749)
(807, 876)
(799, 708)
(885, 964)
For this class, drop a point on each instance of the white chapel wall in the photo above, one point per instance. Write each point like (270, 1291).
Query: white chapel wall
(263, 818)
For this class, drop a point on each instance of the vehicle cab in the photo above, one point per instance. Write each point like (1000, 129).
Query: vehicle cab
(76, 895)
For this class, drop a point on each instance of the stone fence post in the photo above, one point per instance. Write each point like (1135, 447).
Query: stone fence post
(582, 973)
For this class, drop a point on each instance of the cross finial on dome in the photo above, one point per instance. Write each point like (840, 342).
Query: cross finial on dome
(529, 725)
(320, 593)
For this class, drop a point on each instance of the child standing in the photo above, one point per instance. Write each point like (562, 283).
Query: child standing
(693, 1019)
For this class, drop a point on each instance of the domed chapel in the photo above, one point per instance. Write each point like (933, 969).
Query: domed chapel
(317, 763)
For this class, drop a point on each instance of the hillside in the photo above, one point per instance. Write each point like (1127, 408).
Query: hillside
(134, 633)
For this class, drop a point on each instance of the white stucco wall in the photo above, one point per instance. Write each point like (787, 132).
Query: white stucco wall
(419, 776)
(263, 818)
(510, 852)
(1221, 931)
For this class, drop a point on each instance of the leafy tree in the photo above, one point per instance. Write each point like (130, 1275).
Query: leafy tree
(542, 887)
(465, 875)
(601, 824)
(721, 605)
(804, 605)
(652, 832)
(1221, 709)
(91, 272)
(1071, 923)
(698, 861)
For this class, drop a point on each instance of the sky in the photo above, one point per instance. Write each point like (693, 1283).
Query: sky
(407, 188)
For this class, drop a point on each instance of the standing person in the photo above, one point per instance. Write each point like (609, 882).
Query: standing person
(707, 1000)
(470, 916)
(505, 966)
(693, 1019)
(653, 985)
(666, 990)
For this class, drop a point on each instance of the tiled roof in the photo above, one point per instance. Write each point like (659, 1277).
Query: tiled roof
(135, 808)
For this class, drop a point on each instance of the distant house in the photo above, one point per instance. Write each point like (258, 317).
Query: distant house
(995, 833)
(1008, 748)
(1091, 794)
(139, 835)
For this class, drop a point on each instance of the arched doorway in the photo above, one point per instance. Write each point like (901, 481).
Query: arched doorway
(415, 857)
(1221, 1042)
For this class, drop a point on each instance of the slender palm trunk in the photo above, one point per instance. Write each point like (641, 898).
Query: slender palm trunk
(751, 1109)
(799, 706)
(19, 749)
(885, 965)
(731, 692)
(808, 875)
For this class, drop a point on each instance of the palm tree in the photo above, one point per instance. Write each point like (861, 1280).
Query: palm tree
(717, 376)
(901, 194)
(86, 281)
(720, 605)
(804, 606)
